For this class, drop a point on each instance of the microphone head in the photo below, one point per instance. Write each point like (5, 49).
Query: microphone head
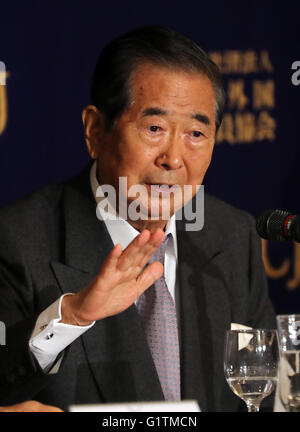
(271, 225)
(261, 224)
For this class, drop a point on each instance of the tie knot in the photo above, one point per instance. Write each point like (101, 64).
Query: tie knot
(159, 254)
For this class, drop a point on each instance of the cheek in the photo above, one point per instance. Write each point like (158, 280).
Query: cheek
(145, 153)
(141, 157)
(135, 150)
(136, 163)
(197, 165)
(203, 153)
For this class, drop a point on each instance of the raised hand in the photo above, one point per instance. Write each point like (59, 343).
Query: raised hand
(121, 280)
(30, 406)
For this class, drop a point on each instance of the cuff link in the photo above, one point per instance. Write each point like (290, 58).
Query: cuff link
(49, 336)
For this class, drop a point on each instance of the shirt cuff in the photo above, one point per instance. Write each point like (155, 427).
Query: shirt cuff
(50, 337)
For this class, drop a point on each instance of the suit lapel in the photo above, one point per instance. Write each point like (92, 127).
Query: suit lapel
(86, 240)
(115, 347)
(203, 320)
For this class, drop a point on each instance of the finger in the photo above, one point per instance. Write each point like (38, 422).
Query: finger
(148, 276)
(50, 408)
(157, 237)
(132, 268)
(151, 247)
(130, 256)
(140, 250)
(115, 253)
(111, 261)
(30, 406)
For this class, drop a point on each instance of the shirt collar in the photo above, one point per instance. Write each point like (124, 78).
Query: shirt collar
(119, 229)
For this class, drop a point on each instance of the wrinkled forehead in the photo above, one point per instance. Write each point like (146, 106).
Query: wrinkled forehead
(163, 87)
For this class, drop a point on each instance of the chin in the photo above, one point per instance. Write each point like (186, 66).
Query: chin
(155, 207)
(161, 209)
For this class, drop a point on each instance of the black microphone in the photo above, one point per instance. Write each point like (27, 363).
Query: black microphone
(278, 225)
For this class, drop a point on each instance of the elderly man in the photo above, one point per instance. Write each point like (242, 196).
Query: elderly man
(101, 309)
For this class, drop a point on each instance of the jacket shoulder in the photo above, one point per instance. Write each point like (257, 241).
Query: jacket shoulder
(226, 223)
(218, 211)
(32, 206)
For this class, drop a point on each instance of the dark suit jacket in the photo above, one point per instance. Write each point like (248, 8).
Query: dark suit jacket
(52, 243)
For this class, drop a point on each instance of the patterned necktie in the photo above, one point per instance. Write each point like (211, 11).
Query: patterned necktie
(158, 312)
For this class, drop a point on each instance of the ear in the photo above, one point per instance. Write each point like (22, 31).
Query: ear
(93, 123)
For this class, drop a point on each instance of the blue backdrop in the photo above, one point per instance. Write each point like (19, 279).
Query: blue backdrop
(49, 49)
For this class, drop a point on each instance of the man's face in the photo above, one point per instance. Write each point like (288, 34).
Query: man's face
(165, 137)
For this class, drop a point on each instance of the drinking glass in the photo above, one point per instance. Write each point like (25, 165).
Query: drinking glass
(289, 368)
(251, 364)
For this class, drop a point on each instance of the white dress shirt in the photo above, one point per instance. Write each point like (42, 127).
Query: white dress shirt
(50, 337)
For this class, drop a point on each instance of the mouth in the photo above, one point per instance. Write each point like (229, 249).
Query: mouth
(162, 188)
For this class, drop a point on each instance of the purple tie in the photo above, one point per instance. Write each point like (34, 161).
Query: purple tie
(158, 312)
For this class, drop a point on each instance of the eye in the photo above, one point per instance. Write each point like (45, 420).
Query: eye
(154, 128)
(197, 134)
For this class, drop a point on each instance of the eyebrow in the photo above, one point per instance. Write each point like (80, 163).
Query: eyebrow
(152, 111)
(202, 118)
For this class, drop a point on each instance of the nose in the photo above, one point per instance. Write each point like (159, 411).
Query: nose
(170, 155)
